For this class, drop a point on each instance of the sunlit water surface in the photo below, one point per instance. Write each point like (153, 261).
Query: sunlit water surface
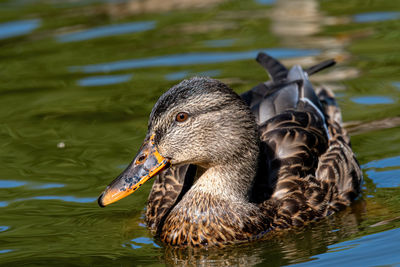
(79, 78)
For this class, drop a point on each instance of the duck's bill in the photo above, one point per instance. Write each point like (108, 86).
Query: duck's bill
(146, 164)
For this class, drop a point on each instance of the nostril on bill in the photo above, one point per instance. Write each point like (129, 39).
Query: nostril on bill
(141, 158)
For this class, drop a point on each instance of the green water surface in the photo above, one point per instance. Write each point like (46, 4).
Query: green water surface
(78, 80)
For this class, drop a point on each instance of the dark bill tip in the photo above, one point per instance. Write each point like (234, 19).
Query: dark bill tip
(100, 201)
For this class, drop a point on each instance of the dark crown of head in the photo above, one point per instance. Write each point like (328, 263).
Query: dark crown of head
(187, 89)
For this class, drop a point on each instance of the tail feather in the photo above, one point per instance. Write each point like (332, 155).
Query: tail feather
(320, 66)
(285, 90)
(274, 68)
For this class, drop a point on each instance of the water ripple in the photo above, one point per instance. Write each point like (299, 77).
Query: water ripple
(5, 251)
(266, 2)
(383, 163)
(62, 198)
(104, 80)
(48, 186)
(191, 59)
(109, 30)
(209, 73)
(4, 228)
(372, 100)
(18, 28)
(385, 179)
(11, 183)
(219, 43)
(137, 243)
(179, 75)
(376, 16)
(66, 198)
(371, 250)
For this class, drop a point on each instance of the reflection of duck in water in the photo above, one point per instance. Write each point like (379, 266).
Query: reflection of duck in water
(229, 173)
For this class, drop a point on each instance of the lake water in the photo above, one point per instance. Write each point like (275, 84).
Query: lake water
(79, 78)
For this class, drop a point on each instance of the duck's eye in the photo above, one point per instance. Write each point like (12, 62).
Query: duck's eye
(181, 116)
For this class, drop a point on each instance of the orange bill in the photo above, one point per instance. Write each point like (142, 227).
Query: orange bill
(146, 164)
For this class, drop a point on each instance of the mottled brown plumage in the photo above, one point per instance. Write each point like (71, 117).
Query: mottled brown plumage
(240, 167)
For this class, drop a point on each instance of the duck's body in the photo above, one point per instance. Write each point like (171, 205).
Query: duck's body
(240, 168)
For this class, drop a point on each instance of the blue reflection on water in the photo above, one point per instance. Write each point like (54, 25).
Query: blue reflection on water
(139, 242)
(104, 80)
(266, 2)
(4, 228)
(11, 183)
(48, 186)
(376, 16)
(143, 240)
(209, 73)
(192, 59)
(108, 30)
(387, 178)
(397, 84)
(382, 177)
(62, 198)
(383, 163)
(219, 43)
(17, 28)
(66, 198)
(372, 100)
(6, 250)
(179, 75)
(371, 250)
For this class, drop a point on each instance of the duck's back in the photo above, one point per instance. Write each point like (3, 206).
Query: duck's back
(311, 170)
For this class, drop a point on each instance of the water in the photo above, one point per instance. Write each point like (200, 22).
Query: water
(105, 31)
(104, 80)
(189, 59)
(16, 28)
(376, 16)
(79, 78)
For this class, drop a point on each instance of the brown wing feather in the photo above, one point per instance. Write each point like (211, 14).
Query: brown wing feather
(295, 140)
(338, 164)
(307, 189)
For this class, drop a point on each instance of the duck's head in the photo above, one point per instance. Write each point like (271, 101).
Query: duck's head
(200, 121)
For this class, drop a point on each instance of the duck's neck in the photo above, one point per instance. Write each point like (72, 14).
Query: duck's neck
(230, 182)
(231, 179)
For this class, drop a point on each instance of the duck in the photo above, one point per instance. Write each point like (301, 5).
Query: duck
(233, 168)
